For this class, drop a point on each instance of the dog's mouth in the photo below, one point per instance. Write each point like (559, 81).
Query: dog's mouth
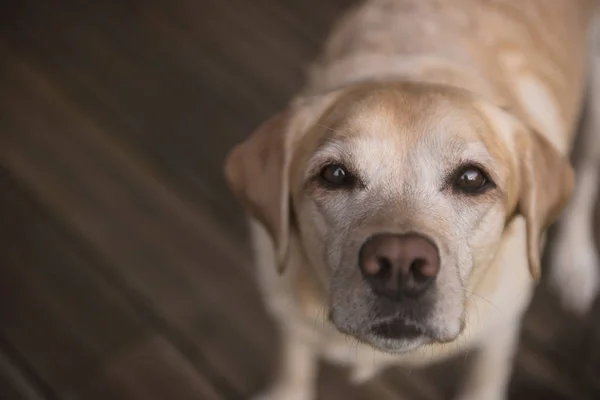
(397, 329)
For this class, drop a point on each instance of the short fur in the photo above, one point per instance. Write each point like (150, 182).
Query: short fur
(406, 92)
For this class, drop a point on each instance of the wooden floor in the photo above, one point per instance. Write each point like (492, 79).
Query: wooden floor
(124, 268)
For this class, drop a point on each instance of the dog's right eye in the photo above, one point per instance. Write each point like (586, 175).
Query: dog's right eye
(336, 176)
(472, 180)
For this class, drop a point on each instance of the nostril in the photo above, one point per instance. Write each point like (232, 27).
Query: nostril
(385, 266)
(422, 270)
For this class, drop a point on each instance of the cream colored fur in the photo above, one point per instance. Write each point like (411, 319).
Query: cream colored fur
(405, 91)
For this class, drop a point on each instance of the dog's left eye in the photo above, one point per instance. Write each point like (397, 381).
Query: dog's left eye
(471, 179)
(336, 176)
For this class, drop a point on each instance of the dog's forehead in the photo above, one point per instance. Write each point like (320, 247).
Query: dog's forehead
(403, 115)
(388, 124)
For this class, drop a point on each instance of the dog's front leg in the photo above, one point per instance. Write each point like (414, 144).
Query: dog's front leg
(492, 368)
(296, 375)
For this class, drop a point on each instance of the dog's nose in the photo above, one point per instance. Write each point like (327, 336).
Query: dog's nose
(399, 265)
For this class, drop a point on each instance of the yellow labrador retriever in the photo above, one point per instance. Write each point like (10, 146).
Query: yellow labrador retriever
(402, 198)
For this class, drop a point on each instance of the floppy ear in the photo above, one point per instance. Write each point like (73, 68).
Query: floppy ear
(257, 173)
(545, 177)
(547, 180)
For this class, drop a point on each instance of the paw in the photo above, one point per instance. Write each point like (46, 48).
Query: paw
(574, 270)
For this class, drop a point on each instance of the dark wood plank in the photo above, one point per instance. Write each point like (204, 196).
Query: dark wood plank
(16, 380)
(55, 312)
(69, 322)
(153, 239)
(152, 370)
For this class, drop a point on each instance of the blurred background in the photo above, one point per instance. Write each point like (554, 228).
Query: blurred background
(124, 264)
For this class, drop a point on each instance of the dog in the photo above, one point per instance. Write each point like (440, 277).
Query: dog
(402, 198)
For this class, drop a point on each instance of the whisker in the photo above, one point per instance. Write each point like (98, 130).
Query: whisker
(468, 348)
(468, 293)
(319, 317)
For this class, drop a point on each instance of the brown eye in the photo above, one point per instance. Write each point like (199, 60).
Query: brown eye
(336, 175)
(471, 179)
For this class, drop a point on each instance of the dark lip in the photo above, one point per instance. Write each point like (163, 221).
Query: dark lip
(396, 329)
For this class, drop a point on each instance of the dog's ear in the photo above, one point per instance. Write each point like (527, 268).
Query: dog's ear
(257, 173)
(544, 180)
(258, 169)
(547, 181)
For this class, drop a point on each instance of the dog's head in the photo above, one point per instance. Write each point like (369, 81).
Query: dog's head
(397, 193)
